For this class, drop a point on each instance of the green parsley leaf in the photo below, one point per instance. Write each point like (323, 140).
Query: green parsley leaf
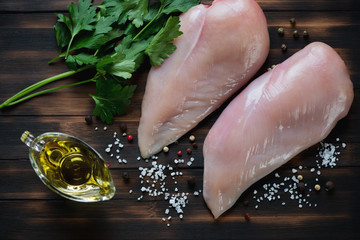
(161, 46)
(179, 5)
(62, 35)
(123, 68)
(103, 25)
(82, 17)
(133, 50)
(111, 99)
(73, 61)
(91, 41)
(137, 10)
(66, 20)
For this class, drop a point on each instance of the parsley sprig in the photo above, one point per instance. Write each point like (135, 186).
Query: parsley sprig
(114, 38)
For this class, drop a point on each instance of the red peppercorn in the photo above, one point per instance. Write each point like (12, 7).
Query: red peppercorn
(108, 164)
(179, 153)
(247, 217)
(130, 138)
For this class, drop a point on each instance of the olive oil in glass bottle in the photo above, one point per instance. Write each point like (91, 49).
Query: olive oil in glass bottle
(69, 167)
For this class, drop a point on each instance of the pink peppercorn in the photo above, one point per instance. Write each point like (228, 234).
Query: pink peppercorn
(130, 138)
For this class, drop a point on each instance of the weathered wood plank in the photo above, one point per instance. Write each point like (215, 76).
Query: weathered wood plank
(335, 216)
(267, 5)
(15, 171)
(347, 130)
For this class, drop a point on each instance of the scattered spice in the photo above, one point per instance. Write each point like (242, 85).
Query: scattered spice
(328, 154)
(301, 186)
(296, 34)
(329, 185)
(247, 217)
(179, 153)
(123, 127)
(88, 119)
(191, 182)
(281, 31)
(130, 138)
(194, 145)
(188, 151)
(297, 189)
(283, 47)
(108, 164)
(292, 21)
(166, 149)
(125, 176)
(192, 138)
(246, 203)
(305, 34)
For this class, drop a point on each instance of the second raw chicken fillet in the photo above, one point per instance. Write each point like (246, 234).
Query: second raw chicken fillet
(278, 115)
(221, 48)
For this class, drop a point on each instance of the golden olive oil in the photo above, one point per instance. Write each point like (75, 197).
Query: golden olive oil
(70, 167)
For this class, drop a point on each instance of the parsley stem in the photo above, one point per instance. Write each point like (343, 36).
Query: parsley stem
(54, 59)
(47, 91)
(40, 84)
(147, 25)
(68, 48)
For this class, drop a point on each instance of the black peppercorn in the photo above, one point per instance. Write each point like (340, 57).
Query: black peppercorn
(329, 185)
(125, 176)
(296, 34)
(191, 182)
(88, 119)
(123, 127)
(301, 186)
(281, 31)
(305, 34)
(292, 21)
(194, 144)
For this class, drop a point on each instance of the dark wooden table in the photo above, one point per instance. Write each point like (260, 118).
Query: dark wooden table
(28, 210)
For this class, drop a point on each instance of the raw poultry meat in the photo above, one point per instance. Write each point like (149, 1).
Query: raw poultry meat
(221, 48)
(281, 113)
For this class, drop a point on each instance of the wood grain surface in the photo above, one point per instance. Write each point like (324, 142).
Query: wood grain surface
(28, 210)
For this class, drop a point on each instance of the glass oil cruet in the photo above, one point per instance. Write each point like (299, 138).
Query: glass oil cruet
(69, 167)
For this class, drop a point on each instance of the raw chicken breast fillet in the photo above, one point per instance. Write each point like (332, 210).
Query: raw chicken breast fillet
(221, 48)
(277, 116)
